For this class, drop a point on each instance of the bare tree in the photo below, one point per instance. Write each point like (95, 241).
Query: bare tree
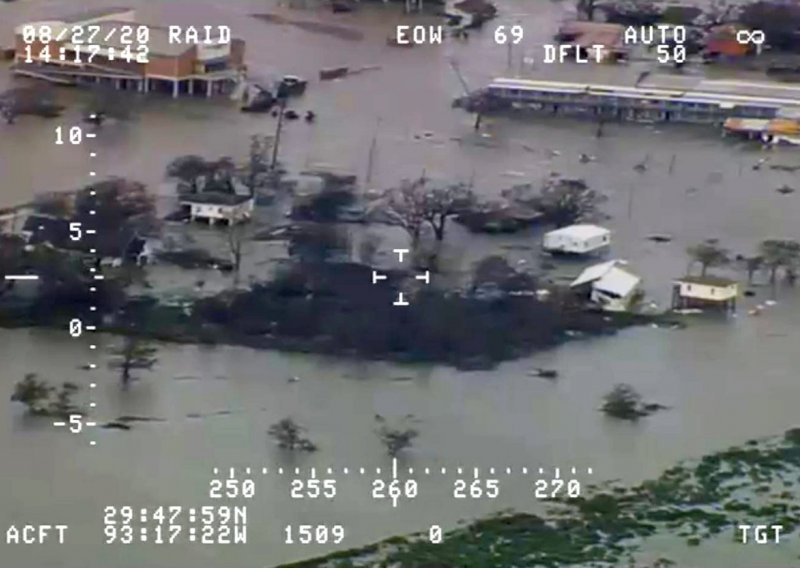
(780, 254)
(133, 355)
(237, 236)
(258, 160)
(403, 207)
(752, 264)
(415, 203)
(395, 439)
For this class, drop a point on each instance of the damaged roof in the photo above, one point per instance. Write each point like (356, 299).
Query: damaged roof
(608, 277)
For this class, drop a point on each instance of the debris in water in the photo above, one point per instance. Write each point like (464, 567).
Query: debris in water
(659, 238)
(116, 426)
(586, 158)
(333, 73)
(293, 379)
(784, 168)
(761, 162)
(785, 190)
(544, 373)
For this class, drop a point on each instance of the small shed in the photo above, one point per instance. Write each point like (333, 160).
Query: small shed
(609, 285)
(577, 239)
(214, 206)
(705, 291)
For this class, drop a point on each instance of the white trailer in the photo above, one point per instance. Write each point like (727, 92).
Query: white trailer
(577, 239)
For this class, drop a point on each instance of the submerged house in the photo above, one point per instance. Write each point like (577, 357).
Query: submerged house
(704, 291)
(577, 239)
(609, 285)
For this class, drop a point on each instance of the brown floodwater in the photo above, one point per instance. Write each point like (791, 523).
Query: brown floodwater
(726, 381)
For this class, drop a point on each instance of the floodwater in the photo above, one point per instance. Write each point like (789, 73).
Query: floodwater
(726, 381)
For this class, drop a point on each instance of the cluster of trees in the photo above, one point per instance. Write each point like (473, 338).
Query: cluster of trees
(336, 309)
(196, 173)
(418, 204)
(562, 201)
(625, 403)
(289, 435)
(774, 256)
(42, 399)
(37, 100)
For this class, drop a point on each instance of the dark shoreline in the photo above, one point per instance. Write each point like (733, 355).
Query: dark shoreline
(592, 325)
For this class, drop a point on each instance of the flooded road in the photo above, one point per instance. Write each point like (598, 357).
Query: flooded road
(725, 381)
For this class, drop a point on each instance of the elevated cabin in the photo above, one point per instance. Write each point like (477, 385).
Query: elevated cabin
(609, 285)
(577, 239)
(705, 292)
(213, 206)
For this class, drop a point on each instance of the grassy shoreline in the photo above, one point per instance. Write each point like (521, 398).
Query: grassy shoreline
(754, 483)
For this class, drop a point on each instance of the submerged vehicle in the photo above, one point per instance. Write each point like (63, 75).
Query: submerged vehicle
(291, 86)
(262, 101)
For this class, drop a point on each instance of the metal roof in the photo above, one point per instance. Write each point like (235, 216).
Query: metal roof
(593, 273)
(716, 281)
(724, 93)
(608, 277)
(581, 231)
(618, 282)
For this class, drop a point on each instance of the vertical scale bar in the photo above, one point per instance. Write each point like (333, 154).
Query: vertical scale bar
(92, 231)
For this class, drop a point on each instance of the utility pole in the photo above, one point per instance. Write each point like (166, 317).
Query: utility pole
(372, 149)
(278, 128)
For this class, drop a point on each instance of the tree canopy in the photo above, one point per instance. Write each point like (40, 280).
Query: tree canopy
(708, 255)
